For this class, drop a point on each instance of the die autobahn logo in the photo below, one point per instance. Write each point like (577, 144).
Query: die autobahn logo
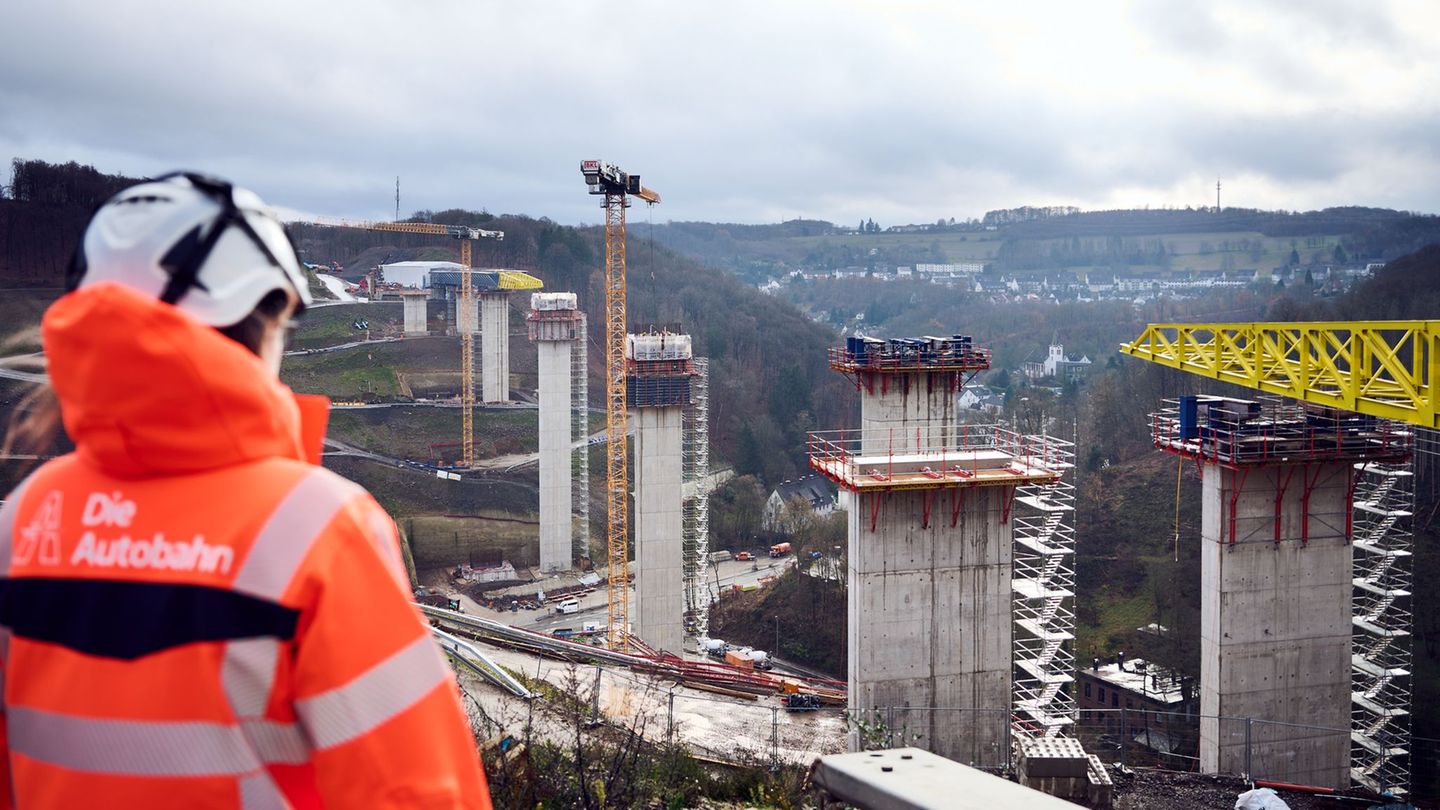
(106, 540)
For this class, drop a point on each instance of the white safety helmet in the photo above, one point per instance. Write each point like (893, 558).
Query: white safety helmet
(194, 241)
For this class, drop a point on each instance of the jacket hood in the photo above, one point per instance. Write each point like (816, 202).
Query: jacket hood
(146, 390)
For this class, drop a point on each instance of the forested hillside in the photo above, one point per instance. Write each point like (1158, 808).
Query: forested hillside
(769, 381)
(42, 211)
(1047, 240)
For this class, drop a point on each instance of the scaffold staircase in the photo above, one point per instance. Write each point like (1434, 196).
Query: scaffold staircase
(1043, 585)
(580, 436)
(1380, 664)
(695, 531)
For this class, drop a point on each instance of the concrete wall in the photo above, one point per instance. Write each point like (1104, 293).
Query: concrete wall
(415, 315)
(441, 541)
(1275, 627)
(658, 610)
(555, 523)
(929, 621)
(899, 404)
(494, 347)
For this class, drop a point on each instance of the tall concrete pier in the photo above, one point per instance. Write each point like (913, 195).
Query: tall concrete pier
(659, 370)
(555, 323)
(1276, 615)
(494, 346)
(930, 547)
(489, 317)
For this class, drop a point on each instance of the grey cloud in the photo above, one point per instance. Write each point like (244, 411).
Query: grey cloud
(758, 112)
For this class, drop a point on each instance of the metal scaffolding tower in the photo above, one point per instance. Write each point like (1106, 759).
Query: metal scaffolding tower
(1043, 584)
(580, 435)
(1381, 654)
(696, 473)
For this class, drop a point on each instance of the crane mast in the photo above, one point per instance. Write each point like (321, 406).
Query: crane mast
(616, 186)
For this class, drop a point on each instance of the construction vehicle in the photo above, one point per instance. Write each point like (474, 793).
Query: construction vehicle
(617, 187)
(739, 658)
(802, 702)
(779, 549)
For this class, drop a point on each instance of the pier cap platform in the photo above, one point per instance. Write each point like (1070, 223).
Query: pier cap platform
(947, 457)
(1235, 432)
(554, 316)
(904, 355)
(658, 369)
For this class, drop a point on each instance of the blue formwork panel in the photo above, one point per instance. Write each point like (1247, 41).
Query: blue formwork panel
(656, 391)
(1189, 418)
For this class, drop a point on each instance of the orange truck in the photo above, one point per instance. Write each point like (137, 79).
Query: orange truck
(779, 549)
(739, 659)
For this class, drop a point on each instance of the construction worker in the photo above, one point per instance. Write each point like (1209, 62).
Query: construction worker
(192, 612)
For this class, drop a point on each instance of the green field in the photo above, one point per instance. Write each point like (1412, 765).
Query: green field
(408, 432)
(333, 325)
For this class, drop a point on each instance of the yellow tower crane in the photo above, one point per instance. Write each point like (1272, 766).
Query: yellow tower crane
(1386, 369)
(617, 187)
(464, 308)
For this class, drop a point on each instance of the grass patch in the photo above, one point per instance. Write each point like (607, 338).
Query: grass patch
(408, 432)
(332, 325)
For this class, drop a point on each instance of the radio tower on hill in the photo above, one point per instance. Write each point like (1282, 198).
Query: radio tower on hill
(1217, 195)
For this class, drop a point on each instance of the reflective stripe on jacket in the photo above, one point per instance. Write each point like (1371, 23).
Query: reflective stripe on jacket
(229, 627)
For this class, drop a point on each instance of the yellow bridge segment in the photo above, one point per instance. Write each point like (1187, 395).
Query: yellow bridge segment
(1378, 368)
(518, 280)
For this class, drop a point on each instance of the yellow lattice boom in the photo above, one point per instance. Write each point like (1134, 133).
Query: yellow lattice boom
(1378, 368)
(518, 280)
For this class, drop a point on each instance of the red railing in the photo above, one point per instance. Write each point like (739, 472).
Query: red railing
(850, 456)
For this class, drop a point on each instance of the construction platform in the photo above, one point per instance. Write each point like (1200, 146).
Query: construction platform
(659, 368)
(1237, 432)
(965, 456)
(900, 355)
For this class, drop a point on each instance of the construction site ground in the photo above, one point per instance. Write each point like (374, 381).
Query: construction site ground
(713, 726)
(1150, 789)
(727, 574)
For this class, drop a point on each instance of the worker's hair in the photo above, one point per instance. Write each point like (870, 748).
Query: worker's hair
(35, 425)
(250, 331)
(35, 420)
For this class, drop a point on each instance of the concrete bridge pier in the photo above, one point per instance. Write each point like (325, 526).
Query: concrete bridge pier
(929, 619)
(659, 370)
(554, 324)
(416, 320)
(494, 346)
(1275, 623)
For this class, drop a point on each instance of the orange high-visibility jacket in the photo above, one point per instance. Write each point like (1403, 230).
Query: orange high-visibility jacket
(194, 614)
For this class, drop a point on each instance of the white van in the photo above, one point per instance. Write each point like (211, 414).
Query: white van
(568, 606)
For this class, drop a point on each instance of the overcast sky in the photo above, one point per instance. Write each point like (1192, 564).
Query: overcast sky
(741, 111)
